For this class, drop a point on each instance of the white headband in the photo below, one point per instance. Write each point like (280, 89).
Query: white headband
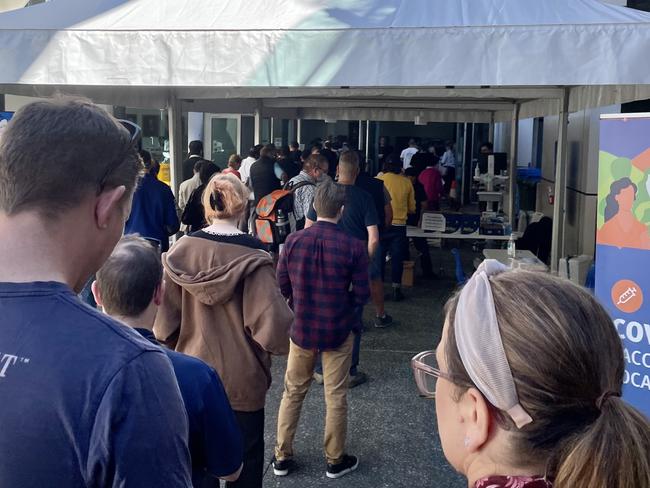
(480, 346)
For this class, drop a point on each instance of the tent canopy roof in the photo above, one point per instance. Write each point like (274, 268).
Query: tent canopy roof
(373, 59)
(278, 15)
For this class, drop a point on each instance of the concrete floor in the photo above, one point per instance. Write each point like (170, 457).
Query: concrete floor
(391, 429)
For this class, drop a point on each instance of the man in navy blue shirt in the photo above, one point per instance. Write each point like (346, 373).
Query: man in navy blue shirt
(85, 401)
(153, 213)
(130, 288)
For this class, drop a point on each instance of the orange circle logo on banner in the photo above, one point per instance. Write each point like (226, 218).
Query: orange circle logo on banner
(627, 296)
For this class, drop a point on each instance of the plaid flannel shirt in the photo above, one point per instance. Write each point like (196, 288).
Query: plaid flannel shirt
(324, 274)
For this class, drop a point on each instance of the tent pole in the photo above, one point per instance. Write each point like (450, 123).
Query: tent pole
(491, 128)
(512, 168)
(258, 126)
(361, 136)
(299, 130)
(367, 140)
(462, 181)
(559, 209)
(175, 120)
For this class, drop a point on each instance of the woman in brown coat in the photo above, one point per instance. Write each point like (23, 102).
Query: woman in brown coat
(222, 304)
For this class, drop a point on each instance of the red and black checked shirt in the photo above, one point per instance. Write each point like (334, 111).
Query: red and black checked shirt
(315, 271)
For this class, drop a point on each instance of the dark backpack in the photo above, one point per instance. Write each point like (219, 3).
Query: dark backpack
(271, 220)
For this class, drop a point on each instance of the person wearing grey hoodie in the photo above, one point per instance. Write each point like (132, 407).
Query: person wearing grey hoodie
(223, 305)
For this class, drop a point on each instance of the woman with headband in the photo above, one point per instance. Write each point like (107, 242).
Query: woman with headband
(527, 380)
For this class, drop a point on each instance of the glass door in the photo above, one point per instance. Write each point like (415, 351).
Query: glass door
(222, 137)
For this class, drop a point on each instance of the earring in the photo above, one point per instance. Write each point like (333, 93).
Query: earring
(466, 442)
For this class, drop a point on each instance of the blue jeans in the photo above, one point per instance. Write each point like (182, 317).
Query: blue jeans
(395, 241)
(356, 347)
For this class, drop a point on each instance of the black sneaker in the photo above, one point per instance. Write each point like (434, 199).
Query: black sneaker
(398, 296)
(383, 322)
(349, 464)
(358, 379)
(284, 467)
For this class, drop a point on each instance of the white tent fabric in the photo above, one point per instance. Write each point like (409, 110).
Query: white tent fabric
(210, 49)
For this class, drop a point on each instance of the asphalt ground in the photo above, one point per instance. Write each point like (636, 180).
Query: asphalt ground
(391, 429)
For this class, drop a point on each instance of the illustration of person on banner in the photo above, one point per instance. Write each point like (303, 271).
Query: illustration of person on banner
(621, 227)
(624, 209)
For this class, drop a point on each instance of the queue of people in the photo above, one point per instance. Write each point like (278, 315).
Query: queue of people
(166, 386)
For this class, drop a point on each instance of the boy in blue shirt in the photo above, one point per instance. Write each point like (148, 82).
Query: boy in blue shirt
(129, 286)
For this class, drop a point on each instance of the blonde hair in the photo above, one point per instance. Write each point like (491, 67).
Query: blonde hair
(567, 362)
(234, 159)
(224, 197)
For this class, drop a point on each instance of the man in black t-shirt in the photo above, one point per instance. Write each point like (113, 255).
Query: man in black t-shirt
(381, 198)
(263, 177)
(331, 157)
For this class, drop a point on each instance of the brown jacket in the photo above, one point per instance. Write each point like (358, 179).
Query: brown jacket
(222, 304)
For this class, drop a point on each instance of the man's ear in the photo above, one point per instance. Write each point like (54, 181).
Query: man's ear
(96, 293)
(108, 202)
(159, 294)
(476, 418)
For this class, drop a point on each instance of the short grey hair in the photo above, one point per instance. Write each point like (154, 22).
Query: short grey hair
(56, 152)
(329, 199)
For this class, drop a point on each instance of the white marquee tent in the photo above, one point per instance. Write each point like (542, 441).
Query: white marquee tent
(439, 60)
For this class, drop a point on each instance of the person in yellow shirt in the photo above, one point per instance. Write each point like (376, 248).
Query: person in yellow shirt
(394, 239)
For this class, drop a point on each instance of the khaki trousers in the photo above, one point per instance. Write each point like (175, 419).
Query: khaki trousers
(300, 368)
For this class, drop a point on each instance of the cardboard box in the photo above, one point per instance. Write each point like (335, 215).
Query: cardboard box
(408, 275)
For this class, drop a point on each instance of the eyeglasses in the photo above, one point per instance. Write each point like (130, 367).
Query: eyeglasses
(136, 134)
(426, 373)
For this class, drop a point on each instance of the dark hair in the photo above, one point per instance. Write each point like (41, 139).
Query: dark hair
(267, 151)
(129, 277)
(611, 207)
(294, 144)
(489, 145)
(198, 165)
(254, 152)
(315, 161)
(146, 158)
(53, 153)
(207, 170)
(305, 154)
(329, 199)
(393, 164)
(411, 172)
(196, 148)
(567, 363)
